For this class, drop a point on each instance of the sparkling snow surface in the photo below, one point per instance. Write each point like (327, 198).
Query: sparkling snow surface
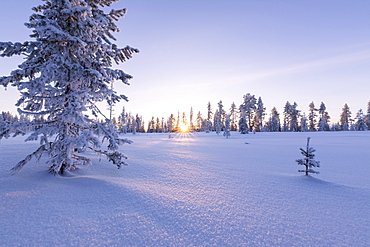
(194, 190)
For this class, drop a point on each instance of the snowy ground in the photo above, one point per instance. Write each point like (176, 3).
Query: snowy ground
(194, 190)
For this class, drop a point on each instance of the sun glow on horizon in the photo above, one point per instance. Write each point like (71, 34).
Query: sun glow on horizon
(184, 128)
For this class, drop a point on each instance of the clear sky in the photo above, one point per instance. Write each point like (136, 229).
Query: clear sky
(197, 51)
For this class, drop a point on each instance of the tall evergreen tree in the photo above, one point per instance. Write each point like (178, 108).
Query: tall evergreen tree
(171, 123)
(312, 117)
(345, 117)
(274, 121)
(218, 122)
(259, 116)
(227, 126)
(67, 69)
(177, 126)
(287, 111)
(294, 114)
(367, 117)
(233, 111)
(209, 117)
(323, 124)
(191, 125)
(249, 107)
(199, 122)
(304, 125)
(122, 128)
(243, 126)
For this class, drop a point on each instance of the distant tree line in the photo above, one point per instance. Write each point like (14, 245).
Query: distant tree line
(249, 116)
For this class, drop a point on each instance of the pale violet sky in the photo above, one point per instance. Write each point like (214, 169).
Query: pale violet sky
(197, 51)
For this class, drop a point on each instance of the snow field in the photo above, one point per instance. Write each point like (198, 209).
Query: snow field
(196, 189)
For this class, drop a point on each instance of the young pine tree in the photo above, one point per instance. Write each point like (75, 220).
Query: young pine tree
(67, 70)
(309, 159)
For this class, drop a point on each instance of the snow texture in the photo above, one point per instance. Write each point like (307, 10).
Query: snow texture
(196, 189)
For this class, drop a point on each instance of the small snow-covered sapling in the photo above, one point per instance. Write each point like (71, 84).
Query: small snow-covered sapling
(309, 159)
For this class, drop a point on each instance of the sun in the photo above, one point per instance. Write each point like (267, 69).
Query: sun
(184, 128)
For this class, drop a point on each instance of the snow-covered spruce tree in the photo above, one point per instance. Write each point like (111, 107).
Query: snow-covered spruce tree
(218, 122)
(367, 117)
(199, 121)
(287, 114)
(259, 116)
(304, 125)
(227, 126)
(171, 123)
(122, 125)
(360, 124)
(323, 124)
(312, 117)
(294, 114)
(209, 117)
(191, 124)
(233, 112)
(345, 117)
(274, 121)
(309, 159)
(67, 69)
(243, 127)
(249, 108)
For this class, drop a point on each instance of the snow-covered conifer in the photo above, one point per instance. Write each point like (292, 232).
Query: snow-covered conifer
(243, 127)
(304, 125)
(171, 123)
(67, 69)
(309, 159)
(294, 114)
(249, 106)
(151, 125)
(218, 122)
(157, 126)
(227, 126)
(233, 111)
(274, 121)
(199, 121)
(209, 117)
(345, 118)
(184, 119)
(215, 117)
(360, 124)
(259, 116)
(122, 127)
(191, 125)
(335, 127)
(287, 111)
(323, 124)
(312, 117)
(177, 126)
(367, 117)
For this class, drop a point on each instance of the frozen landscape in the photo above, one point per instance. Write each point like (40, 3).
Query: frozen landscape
(195, 189)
